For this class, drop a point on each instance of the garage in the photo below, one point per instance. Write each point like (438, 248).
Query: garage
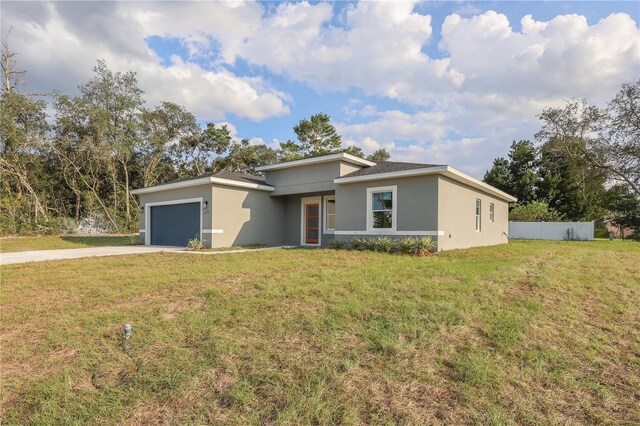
(175, 224)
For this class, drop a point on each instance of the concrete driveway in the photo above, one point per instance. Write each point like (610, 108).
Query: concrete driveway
(42, 255)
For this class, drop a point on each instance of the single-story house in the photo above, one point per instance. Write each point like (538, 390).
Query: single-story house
(311, 201)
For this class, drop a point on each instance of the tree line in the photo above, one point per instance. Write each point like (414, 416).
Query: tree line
(584, 164)
(79, 156)
(84, 159)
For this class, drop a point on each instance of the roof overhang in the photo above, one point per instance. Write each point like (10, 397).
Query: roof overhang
(447, 171)
(202, 181)
(318, 160)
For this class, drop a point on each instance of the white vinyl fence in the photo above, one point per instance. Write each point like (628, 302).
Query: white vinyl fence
(552, 230)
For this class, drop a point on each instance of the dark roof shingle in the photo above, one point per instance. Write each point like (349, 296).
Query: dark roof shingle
(389, 167)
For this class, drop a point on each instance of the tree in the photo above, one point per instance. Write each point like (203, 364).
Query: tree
(623, 208)
(85, 157)
(316, 136)
(354, 150)
(196, 154)
(23, 129)
(243, 157)
(379, 155)
(608, 139)
(518, 175)
(162, 128)
(535, 211)
(116, 104)
(571, 185)
(498, 175)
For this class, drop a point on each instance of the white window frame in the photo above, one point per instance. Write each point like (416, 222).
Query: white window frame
(325, 225)
(492, 212)
(147, 215)
(303, 202)
(394, 208)
(478, 215)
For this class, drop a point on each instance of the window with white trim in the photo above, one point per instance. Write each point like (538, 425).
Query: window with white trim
(478, 214)
(382, 208)
(492, 213)
(330, 213)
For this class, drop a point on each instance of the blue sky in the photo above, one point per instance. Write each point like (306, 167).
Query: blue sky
(433, 82)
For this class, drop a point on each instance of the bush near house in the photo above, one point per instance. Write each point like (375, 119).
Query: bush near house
(409, 245)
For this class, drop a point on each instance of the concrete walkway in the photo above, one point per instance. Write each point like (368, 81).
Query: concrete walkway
(42, 255)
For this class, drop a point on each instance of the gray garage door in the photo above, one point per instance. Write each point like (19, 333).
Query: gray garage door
(175, 224)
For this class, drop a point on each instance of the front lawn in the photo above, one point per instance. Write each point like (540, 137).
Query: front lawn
(527, 333)
(53, 242)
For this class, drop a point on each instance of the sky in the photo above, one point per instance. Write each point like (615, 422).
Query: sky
(444, 82)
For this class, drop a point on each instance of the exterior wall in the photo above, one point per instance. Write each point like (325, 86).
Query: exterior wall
(202, 191)
(346, 168)
(246, 216)
(417, 207)
(311, 178)
(293, 225)
(457, 217)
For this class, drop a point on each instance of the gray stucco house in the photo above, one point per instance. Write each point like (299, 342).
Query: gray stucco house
(311, 201)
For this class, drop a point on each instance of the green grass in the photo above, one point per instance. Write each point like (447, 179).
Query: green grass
(527, 333)
(234, 248)
(50, 242)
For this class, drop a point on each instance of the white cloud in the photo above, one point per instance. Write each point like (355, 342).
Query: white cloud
(468, 133)
(60, 45)
(558, 58)
(377, 49)
(464, 108)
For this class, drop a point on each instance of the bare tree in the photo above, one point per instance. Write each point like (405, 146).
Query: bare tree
(23, 128)
(609, 139)
(11, 76)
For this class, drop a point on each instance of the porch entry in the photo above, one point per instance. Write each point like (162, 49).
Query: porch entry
(311, 221)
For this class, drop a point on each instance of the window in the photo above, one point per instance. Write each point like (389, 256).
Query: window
(491, 213)
(478, 214)
(382, 208)
(329, 213)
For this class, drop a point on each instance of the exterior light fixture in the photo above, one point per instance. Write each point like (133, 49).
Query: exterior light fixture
(205, 205)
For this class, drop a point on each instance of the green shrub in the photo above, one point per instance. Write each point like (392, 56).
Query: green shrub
(68, 225)
(369, 244)
(195, 243)
(600, 232)
(383, 244)
(337, 244)
(423, 245)
(406, 245)
(357, 243)
(535, 211)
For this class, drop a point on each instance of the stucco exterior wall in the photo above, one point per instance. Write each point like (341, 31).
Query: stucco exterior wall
(245, 216)
(457, 217)
(346, 168)
(307, 179)
(417, 205)
(175, 195)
